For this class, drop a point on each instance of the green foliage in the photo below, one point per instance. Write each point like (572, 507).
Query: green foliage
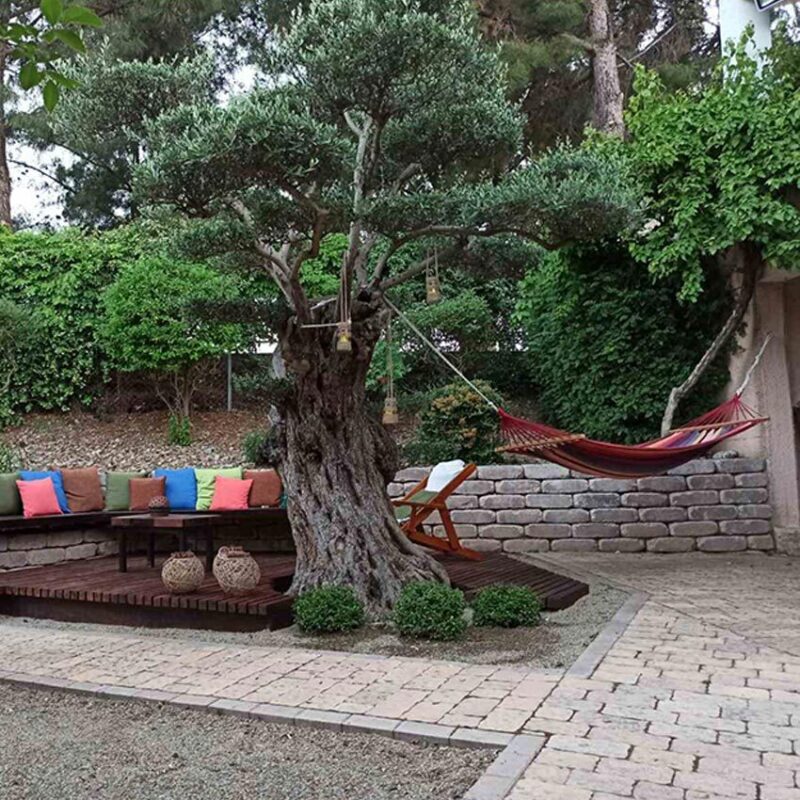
(329, 609)
(18, 331)
(103, 121)
(260, 448)
(38, 36)
(150, 322)
(9, 459)
(506, 607)
(59, 278)
(179, 430)
(721, 167)
(430, 610)
(607, 343)
(458, 424)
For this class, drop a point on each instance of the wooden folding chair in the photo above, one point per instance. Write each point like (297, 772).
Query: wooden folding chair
(413, 509)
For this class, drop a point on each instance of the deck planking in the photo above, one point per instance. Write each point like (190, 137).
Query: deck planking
(95, 591)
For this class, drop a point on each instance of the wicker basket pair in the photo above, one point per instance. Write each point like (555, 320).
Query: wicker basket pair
(234, 568)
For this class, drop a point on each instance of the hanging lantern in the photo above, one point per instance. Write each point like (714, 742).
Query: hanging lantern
(391, 415)
(433, 287)
(390, 412)
(344, 337)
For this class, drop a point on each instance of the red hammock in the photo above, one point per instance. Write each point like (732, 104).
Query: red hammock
(577, 452)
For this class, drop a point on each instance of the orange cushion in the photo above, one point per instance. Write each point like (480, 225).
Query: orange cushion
(267, 487)
(83, 489)
(39, 498)
(230, 494)
(143, 490)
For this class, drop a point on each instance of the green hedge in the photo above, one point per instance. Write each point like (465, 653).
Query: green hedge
(607, 342)
(60, 277)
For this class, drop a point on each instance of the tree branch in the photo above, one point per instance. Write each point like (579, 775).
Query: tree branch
(66, 187)
(743, 298)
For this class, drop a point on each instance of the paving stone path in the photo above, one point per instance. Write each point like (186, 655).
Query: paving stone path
(697, 699)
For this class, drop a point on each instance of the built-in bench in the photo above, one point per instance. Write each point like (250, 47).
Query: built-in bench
(63, 537)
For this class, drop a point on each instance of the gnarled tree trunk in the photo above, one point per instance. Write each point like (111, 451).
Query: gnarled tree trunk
(5, 172)
(335, 462)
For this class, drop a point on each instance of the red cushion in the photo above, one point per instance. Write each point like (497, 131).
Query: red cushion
(230, 494)
(38, 498)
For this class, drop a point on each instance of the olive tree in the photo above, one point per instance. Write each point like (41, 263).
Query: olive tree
(386, 119)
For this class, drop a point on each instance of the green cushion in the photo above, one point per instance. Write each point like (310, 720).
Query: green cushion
(205, 484)
(402, 513)
(10, 504)
(118, 491)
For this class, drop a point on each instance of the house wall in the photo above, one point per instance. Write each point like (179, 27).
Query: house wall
(710, 505)
(774, 391)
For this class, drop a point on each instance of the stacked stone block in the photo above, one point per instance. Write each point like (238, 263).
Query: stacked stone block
(38, 549)
(712, 505)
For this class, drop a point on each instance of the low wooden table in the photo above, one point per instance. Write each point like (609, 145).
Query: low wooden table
(166, 523)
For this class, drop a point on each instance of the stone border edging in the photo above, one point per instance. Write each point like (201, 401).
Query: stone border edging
(588, 661)
(267, 712)
(504, 772)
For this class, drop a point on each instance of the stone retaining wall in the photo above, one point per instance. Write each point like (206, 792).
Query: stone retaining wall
(38, 549)
(713, 505)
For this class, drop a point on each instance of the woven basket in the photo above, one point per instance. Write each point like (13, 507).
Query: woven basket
(182, 573)
(236, 570)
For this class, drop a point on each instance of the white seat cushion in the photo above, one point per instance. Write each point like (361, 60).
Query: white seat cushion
(442, 474)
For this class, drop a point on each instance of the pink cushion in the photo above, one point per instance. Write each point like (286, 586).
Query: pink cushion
(230, 494)
(38, 498)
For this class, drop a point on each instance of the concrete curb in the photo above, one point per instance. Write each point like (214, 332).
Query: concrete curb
(288, 715)
(588, 661)
(503, 773)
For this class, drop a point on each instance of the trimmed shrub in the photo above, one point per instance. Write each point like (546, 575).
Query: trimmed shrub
(506, 607)
(458, 424)
(329, 609)
(430, 610)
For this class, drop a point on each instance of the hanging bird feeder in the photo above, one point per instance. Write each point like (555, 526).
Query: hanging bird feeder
(433, 286)
(344, 329)
(344, 337)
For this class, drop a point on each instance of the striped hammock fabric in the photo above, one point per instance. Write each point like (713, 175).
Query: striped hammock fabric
(604, 459)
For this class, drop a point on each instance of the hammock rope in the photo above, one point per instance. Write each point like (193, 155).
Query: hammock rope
(582, 454)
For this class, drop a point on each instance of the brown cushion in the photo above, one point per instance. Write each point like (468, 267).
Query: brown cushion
(143, 490)
(83, 489)
(266, 489)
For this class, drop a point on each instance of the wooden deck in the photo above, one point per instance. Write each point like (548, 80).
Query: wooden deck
(94, 591)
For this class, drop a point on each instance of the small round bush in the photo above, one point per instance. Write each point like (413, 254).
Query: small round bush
(506, 607)
(329, 609)
(430, 610)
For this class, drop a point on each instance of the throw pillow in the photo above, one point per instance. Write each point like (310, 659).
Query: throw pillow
(231, 494)
(118, 492)
(143, 490)
(83, 489)
(58, 485)
(39, 497)
(266, 489)
(205, 484)
(10, 503)
(181, 488)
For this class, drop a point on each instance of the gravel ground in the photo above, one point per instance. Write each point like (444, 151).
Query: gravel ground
(58, 745)
(556, 642)
(129, 441)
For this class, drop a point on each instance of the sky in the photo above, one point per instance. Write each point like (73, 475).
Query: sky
(38, 199)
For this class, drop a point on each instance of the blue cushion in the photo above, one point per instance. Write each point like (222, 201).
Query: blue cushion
(58, 485)
(181, 488)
